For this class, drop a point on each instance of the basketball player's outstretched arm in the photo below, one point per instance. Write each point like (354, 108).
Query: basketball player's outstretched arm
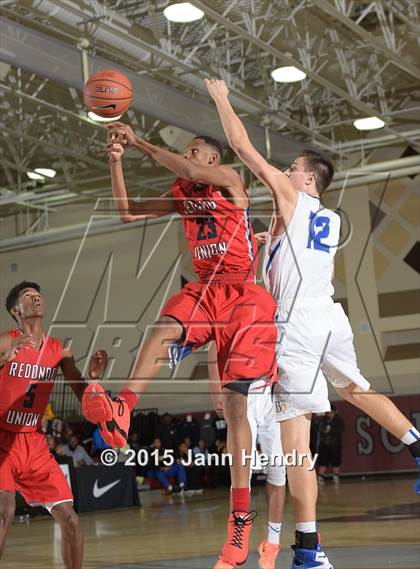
(129, 209)
(218, 175)
(284, 195)
(72, 374)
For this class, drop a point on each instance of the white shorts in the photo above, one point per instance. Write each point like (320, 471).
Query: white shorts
(265, 431)
(315, 344)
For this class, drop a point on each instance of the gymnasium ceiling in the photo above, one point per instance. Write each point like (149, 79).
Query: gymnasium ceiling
(361, 59)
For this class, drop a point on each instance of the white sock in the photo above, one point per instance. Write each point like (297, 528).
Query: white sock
(306, 527)
(274, 532)
(411, 436)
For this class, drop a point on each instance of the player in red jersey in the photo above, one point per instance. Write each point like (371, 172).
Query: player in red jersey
(29, 362)
(224, 305)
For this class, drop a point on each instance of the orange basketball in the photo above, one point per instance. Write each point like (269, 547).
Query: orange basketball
(108, 93)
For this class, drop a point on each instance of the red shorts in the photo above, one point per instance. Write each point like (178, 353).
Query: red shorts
(239, 316)
(26, 465)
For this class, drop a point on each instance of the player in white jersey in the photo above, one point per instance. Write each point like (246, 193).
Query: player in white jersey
(265, 431)
(316, 341)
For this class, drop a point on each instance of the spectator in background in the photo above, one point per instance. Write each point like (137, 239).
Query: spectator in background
(201, 449)
(221, 474)
(50, 423)
(167, 432)
(220, 427)
(314, 435)
(98, 443)
(46, 422)
(208, 432)
(133, 440)
(195, 474)
(190, 429)
(157, 469)
(331, 429)
(52, 443)
(74, 450)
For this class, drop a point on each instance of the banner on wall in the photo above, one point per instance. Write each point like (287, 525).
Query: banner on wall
(368, 447)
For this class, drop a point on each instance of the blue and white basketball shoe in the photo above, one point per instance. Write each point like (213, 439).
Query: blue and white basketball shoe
(310, 558)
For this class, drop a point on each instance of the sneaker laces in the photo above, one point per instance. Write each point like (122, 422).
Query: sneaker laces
(120, 402)
(240, 523)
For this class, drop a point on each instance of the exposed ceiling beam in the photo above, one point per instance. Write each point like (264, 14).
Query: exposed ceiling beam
(376, 141)
(48, 57)
(396, 10)
(51, 106)
(287, 59)
(377, 45)
(127, 41)
(54, 146)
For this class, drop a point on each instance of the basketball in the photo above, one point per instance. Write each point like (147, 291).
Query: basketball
(108, 93)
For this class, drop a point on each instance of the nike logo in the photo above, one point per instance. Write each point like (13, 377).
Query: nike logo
(112, 106)
(98, 492)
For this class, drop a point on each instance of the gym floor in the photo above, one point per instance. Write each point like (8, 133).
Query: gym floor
(371, 524)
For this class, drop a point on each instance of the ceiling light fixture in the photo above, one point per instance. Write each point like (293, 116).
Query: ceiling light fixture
(41, 173)
(288, 74)
(182, 13)
(369, 123)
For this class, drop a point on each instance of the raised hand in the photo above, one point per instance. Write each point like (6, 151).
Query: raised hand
(97, 364)
(115, 151)
(217, 88)
(121, 133)
(19, 343)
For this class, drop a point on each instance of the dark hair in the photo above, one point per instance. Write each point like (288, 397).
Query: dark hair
(322, 168)
(211, 142)
(13, 296)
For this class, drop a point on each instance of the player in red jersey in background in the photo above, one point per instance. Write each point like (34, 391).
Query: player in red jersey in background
(225, 304)
(29, 362)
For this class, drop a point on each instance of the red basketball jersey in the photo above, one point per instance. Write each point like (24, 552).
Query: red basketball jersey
(26, 384)
(219, 233)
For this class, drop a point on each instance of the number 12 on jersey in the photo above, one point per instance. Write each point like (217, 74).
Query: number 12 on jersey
(319, 229)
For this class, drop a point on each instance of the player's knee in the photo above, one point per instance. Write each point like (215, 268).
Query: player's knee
(70, 524)
(276, 476)
(235, 407)
(350, 393)
(168, 329)
(7, 512)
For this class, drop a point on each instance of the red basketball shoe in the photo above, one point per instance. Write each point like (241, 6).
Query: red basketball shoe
(235, 549)
(113, 417)
(268, 554)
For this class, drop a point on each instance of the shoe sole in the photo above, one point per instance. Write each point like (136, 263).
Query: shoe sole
(103, 411)
(238, 564)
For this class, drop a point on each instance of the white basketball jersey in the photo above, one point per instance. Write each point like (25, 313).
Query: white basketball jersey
(299, 263)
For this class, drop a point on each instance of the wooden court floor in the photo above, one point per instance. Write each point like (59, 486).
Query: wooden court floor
(357, 514)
